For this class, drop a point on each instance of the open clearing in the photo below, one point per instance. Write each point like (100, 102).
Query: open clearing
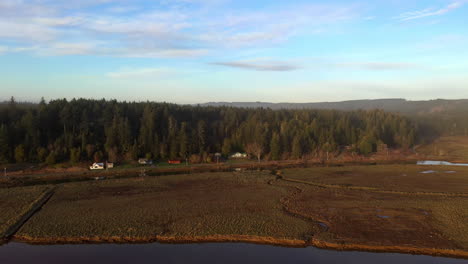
(354, 207)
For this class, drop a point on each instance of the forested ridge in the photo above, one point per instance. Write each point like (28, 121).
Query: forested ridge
(87, 130)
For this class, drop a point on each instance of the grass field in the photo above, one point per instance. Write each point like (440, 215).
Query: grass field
(405, 178)
(374, 206)
(180, 205)
(449, 148)
(14, 202)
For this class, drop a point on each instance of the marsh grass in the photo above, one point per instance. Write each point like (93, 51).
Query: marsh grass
(14, 202)
(255, 204)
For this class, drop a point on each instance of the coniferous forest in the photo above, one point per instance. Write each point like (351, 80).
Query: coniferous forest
(96, 130)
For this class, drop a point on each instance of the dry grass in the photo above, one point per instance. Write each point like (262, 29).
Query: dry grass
(256, 207)
(14, 202)
(182, 205)
(450, 148)
(422, 209)
(403, 178)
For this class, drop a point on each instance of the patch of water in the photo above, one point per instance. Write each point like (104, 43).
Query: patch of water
(383, 216)
(323, 225)
(428, 172)
(440, 163)
(225, 253)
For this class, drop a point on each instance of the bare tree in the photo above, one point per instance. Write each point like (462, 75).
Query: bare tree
(255, 149)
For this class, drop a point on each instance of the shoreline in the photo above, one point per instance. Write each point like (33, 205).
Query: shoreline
(283, 242)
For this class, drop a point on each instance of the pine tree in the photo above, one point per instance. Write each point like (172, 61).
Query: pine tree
(4, 145)
(226, 149)
(20, 155)
(275, 146)
(297, 147)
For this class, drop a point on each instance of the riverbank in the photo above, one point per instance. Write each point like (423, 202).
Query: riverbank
(247, 239)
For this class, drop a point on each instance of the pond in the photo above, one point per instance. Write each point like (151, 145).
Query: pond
(198, 253)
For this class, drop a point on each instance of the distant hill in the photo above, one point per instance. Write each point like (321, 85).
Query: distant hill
(391, 105)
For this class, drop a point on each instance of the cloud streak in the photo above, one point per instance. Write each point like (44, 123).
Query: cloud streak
(277, 65)
(261, 65)
(429, 12)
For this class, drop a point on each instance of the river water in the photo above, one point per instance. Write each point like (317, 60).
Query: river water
(199, 253)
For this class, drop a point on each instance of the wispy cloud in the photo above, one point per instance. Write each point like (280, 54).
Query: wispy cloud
(318, 63)
(261, 65)
(131, 73)
(429, 12)
(181, 28)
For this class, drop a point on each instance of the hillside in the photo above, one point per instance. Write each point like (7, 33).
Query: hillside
(391, 105)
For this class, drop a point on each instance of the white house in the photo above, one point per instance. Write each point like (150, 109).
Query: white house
(239, 155)
(97, 166)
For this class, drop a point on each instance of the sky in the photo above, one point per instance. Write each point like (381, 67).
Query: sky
(196, 51)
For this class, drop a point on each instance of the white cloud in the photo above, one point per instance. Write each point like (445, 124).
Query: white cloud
(429, 12)
(261, 65)
(26, 31)
(55, 28)
(63, 48)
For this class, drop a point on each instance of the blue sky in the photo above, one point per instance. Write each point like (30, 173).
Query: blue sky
(195, 51)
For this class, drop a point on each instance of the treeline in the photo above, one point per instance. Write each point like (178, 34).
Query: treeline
(87, 130)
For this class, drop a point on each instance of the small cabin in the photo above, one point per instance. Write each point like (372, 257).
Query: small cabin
(109, 165)
(97, 166)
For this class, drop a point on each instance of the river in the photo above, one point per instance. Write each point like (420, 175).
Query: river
(225, 253)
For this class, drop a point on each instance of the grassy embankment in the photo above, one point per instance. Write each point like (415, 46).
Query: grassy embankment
(422, 213)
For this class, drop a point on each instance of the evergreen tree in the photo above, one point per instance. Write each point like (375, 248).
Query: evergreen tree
(275, 146)
(20, 155)
(4, 145)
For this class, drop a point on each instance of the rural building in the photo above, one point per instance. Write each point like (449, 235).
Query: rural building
(145, 161)
(109, 165)
(97, 166)
(239, 155)
(174, 161)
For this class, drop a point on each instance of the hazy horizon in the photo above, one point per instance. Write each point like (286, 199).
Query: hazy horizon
(35, 101)
(198, 51)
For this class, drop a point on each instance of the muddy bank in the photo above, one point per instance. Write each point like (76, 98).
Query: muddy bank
(247, 239)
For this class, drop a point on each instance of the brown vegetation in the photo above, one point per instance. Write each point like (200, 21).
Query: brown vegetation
(363, 210)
